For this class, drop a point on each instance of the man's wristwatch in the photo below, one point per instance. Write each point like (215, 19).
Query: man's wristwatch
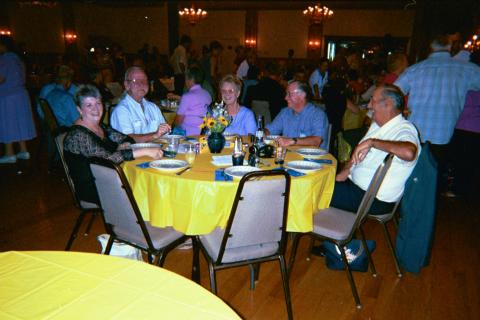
(294, 141)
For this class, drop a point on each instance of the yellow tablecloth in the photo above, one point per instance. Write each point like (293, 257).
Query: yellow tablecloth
(194, 203)
(71, 285)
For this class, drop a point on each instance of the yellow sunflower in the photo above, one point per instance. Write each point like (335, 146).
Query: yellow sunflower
(211, 123)
(223, 121)
(204, 123)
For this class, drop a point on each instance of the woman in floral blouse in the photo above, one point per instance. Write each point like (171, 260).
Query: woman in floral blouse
(88, 138)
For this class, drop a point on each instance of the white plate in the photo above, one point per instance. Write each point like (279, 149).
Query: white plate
(222, 161)
(304, 166)
(229, 136)
(145, 145)
(270, 139)
(168, 165)
(311, 153)
(238, 172)
(172, 136)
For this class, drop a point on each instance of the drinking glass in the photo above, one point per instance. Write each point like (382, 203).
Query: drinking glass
(280, 153)
(238, 158)
(172, 148)
(190, 153)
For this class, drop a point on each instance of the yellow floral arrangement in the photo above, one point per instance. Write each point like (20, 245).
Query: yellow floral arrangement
(217, 119)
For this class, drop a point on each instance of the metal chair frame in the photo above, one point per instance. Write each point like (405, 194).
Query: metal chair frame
(76, 200)
(150, 249)
(361, 214)
(254, 264)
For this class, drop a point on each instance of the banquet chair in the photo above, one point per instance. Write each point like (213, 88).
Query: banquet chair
(384, 219)
(339, 226)
(50, 129)
(255, 231)
(123, 220)
(84, 206)
(261, 107)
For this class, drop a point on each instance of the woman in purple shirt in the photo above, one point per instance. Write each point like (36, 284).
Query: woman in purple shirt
(193, 104)
(243, 119)
(466, 143)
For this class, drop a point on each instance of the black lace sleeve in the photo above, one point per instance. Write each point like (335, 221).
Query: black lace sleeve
(116, 136)
(82, 141)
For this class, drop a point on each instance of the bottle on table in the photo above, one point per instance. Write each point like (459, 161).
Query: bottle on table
(259, 134)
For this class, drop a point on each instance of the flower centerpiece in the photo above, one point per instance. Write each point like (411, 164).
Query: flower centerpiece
(216, 120)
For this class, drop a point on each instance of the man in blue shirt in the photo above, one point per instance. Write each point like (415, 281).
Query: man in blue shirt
(61, 100)
(302, 123)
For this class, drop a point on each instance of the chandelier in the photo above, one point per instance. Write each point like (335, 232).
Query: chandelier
(317, 13)
(192, 15)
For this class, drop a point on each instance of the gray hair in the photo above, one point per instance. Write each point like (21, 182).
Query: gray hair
(132, 69)
(394, 93)
(86, 91)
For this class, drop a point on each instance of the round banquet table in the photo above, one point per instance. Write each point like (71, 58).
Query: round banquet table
(73, 285)
(194, 203)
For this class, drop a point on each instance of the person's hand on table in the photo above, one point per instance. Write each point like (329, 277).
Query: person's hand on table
(163, 128)
(361, 151)
(155, 153)
(173, 96)
(285, 142)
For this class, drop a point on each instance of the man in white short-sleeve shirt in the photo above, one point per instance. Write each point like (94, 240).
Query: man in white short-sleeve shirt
(389, 133)
(134, 115)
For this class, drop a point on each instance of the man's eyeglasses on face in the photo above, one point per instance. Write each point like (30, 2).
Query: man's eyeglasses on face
(291, 93)
(229, 91)
(138, 83)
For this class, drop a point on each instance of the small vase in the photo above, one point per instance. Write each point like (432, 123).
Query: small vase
(216, 141)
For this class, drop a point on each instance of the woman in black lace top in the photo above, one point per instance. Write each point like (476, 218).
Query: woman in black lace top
(89, 138)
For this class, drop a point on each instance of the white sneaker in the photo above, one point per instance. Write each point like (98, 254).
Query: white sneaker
(8, 159)
(25, 155)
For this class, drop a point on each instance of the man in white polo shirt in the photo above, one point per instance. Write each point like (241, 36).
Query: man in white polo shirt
(134, 115)
(388, 133)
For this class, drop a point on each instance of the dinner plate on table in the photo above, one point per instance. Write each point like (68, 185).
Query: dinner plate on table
(311, 153)
(172, 136)
(237, 172)
(168, 165)
(304, 166)
(145, 145)
(270, 139)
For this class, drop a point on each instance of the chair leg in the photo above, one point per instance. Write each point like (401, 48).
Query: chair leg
(213, 280)
(90, 222)
(390, 246)
(77, 225)
(310, 247)
(161, 258)
(286, 287)
(196, 261)
(293, 253)
(369, 256)
(350, 277)
(254, 272)
(109, 245)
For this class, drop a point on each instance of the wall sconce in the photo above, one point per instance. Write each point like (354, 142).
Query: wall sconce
(70, 36)
(314, 44)
(250, 42)
(5, 32)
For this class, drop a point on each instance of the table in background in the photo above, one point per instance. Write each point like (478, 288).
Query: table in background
(194, 203)
(72, 285)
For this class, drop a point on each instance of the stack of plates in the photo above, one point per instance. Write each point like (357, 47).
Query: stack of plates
(145, 145)
(270, 139)
(168, 165)
(304, 166)
(311, 153)
(238, 172)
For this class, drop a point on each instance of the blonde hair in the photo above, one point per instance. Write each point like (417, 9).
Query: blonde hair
(232, 79)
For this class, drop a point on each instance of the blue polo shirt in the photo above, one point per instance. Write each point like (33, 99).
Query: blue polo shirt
(311, 121)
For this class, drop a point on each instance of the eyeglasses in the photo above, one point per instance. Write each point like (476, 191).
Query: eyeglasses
(138, 83)
(291, 93)
(227, 91)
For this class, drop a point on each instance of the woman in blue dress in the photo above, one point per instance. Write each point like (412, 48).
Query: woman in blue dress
(243, 119)
(16, 121)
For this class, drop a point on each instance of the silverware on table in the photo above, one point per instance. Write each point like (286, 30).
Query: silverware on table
(183, 171)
